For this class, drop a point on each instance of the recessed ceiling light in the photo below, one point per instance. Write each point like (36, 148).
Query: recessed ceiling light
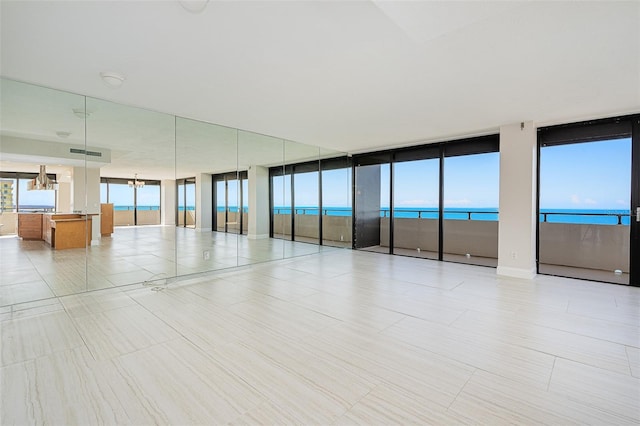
(81, 113)
(63, 134)
(194, 6)
(112, 79)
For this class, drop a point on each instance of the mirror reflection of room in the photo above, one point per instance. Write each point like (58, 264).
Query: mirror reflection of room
(97, 194)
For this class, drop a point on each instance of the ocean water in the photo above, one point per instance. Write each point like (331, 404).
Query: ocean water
(580, 216)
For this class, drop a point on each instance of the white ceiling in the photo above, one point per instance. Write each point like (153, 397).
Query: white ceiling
(347, 75)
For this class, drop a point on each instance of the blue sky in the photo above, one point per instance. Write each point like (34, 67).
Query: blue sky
(594, 175)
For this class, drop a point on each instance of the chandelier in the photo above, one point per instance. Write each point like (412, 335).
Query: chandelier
(135, 183)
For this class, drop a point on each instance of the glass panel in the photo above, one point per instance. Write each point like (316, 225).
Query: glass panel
(372, 207)
(148, 205)
(471, 193)
(104, 197)
(307, 198)
(190, 203)
(585, 203)
(8, 207)
(257, 155)
(245, 206)
(221, 205)
(137, 152)
(416, 192)
(39, 127)
(281, 190)
(233, 217)
(202, 151)
(336, 207)
(303, 160)
(181, 204)
(122, 198)
(35, 201)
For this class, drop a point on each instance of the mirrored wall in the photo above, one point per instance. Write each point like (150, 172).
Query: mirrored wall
(97, 195)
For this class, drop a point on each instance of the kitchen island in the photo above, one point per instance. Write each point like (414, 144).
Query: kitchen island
(59, 230)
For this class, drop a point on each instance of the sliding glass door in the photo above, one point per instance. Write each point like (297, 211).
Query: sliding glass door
(416, 202)
(230, 195)
(186, 208)
(437, 201)
(588, 200)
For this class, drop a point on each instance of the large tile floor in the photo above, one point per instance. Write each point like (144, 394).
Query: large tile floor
(340, 337)
(31, 270)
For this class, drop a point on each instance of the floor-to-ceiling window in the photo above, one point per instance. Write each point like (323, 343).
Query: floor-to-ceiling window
(186, 202)
(16, 197)
(306, 198)
(437, 201)
(585, 195)
(416, 195)
(471, 185)
(311, 202)
(372, 203)
(336, 202)
(135, 201)
(230, 196)
(281, 202)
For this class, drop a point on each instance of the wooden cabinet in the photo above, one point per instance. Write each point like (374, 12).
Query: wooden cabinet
(30, 226)
(106, 219)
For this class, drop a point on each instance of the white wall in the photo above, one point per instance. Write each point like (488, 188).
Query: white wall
(517, 226)
(168, 201)
(258, 202)
(204, 201)
(63, 202)
(86, 196)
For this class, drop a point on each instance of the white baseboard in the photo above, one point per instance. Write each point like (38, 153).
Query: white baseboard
(506, 271)
(258, 236)
(204, 229)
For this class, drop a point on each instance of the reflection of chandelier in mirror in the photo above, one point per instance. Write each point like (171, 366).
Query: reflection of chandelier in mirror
(135, 183)
(42, 182)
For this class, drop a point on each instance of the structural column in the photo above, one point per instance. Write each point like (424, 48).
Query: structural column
(86, 196)
(518, 216)
(258, 202)
(204, 201)
(168, 202)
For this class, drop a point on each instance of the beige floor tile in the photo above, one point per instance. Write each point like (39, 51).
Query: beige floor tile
(123, 330)
(613, 393)
(491, 399)
(24, 292)
(35, 336)
(392, 406)
(383, 360)
(350, 310)
(294, 394)
(634, 360)
(276, 315)
(66, 387)
(618, 332)
(518, 330)
(176, 383)
(95, 302)
(489, 354)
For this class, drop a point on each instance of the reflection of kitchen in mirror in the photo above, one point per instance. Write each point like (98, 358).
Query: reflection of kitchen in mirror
(43, 169)
(97, 194)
